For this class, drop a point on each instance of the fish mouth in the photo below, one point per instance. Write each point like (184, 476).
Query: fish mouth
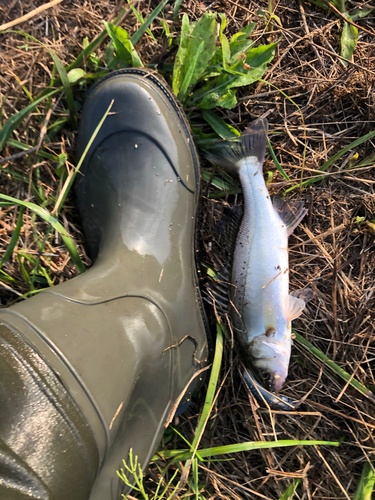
(270, 380)
(277, 382)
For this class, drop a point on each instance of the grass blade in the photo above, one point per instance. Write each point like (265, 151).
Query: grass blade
(334, 367)
(139, 16)
(45, 215)
(210, 395)
(366, 483)
(215, 181)
(26, 147)
(63, 76)
(240, 447)
(13, 241)
(67, 87)
(276, 161)
(137, 35)
(289, 492)
(334, 158)
(13, 122)
(224, 130)
(69, 182)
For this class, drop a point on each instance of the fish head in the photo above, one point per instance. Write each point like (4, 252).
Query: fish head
(270, 359)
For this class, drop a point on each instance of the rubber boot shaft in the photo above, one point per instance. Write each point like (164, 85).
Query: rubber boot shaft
(127, 336)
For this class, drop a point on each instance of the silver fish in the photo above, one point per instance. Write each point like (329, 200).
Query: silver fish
(262, 309)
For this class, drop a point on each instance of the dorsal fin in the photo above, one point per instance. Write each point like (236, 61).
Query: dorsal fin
(217, 290)
(228, 228)
(290, 212)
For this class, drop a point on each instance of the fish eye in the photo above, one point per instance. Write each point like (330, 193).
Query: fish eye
(264, 375)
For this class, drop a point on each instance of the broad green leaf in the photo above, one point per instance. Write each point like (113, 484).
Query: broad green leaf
(349, 39)
(188, 80)
(45, 215)
(181, 54)
(89, 49)
(256, 62)
(203, 135)
(109, 56)
(224, 130)
(76, 74)
(126, 54)
(223, 23)
(243, 33)
(226, 51)
(203, 32)
(289, 492)
(228, 100)
(239, 49)
(13, 122)
(360, 13)
(366, 483)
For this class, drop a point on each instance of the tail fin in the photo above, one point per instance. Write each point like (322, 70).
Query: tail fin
(252, 143)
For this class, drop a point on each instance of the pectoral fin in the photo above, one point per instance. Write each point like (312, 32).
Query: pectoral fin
(294, 307)
(305, 294)
(291, 213)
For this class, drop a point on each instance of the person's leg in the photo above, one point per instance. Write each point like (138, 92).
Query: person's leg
(106, 333)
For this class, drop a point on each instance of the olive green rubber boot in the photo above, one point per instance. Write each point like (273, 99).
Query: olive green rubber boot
(126, 337)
